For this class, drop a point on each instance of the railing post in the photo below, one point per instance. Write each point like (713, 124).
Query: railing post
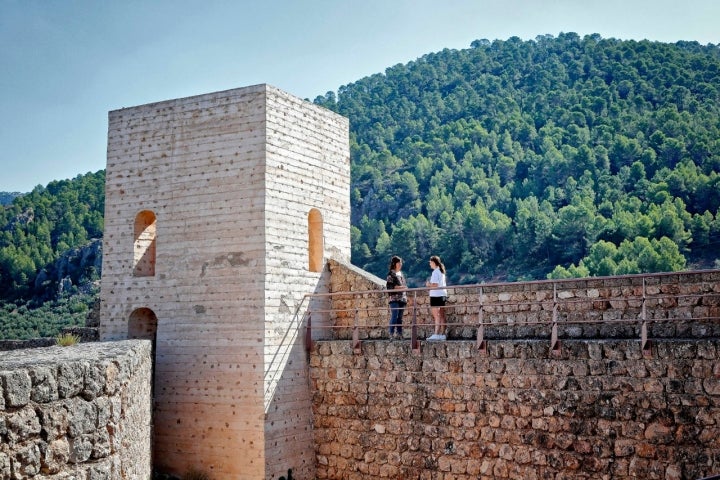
(644, 342)
(356, 344)
(554, 342)
(481, 343)
(308, 334)
(414, 343)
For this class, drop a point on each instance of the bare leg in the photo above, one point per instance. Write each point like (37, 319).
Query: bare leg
(435, 311)
(442, 321)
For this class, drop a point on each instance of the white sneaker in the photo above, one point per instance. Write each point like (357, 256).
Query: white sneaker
(434, 336)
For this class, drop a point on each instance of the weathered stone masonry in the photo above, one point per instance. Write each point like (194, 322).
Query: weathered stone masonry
(600, 410)
(80, 412)
(676, 305)
(598, 407)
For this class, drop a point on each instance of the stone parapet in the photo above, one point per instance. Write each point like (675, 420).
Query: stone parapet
(85, 334)
(81, 412)
(6, 345)
(357, 296)
(677, 305)
(599, 410)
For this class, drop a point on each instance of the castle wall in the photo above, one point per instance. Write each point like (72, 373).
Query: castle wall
(598, 407)
(675, 305)
(601, 410)
(76, 412)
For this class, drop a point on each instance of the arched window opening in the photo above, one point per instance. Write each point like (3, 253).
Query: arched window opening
(144, 250)
(142, 324)
(315, 240)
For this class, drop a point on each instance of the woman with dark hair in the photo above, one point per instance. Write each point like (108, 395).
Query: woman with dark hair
(438, 296)
(398, 300)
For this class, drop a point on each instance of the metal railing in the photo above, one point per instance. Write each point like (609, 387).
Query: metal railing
(635, 301)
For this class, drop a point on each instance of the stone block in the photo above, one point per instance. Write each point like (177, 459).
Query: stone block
(54, 456)
(22, 425)
(16, 387)
(27, 461)
(70, 379)
(44, 384)
(5, 465)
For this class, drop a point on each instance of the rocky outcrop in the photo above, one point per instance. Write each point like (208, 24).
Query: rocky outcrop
(78, 267)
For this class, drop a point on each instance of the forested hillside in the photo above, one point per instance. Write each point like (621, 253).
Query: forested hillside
(562, 156)
(517, 159)
(6, 198)
(49, 265)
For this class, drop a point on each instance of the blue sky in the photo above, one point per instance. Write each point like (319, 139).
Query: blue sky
(66, 63)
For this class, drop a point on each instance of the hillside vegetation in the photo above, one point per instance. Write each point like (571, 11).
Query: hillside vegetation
(517, 159)
(50, 256)
(562, 156)
(6, 198)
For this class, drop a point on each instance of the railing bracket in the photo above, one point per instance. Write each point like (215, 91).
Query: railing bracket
(644, 342)
(356, 343)
(481, 343)
(414, 342)
(555, 347)
(308, 334)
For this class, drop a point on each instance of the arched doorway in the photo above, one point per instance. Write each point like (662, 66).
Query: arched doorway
(142, 324)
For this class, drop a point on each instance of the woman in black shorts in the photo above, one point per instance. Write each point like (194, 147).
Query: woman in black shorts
(438, 295)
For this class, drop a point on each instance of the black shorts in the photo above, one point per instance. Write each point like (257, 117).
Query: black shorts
(437, 301)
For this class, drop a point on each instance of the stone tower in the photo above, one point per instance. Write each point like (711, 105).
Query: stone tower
(220, 212)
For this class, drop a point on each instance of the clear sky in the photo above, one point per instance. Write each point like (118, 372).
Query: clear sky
(65, 63)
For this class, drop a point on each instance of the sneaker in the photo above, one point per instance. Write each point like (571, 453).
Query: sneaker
(432, 337)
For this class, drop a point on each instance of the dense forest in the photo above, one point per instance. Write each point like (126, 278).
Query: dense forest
(562, 156)
(49, 256)
(512, 160)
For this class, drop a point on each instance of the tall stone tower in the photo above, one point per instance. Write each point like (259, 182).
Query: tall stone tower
(220, 210)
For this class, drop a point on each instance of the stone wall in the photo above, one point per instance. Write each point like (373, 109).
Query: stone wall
(600, 410)
(364, 304)
(81, 412)
(6, 345)
(597, 407)
(683, 304)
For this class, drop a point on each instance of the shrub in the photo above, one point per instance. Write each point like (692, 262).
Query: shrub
(67, 339)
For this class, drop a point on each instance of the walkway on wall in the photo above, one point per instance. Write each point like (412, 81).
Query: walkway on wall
(646, 307)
